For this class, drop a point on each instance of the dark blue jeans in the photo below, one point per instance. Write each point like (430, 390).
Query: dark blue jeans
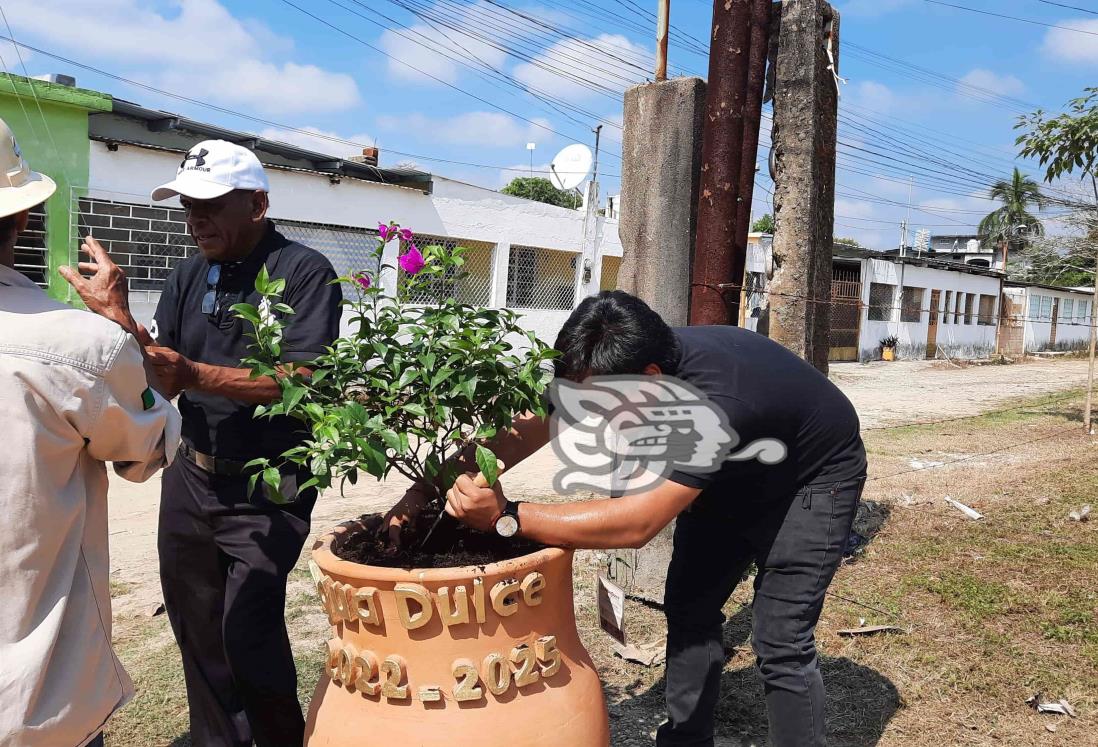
(797, 545)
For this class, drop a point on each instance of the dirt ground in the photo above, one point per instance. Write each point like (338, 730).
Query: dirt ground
(968, 593)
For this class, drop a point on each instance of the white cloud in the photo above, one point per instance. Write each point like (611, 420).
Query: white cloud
(196, 48)
(589, 63)
(521, 170)
(872, 95)
(482, 129)
(1070, 46)
(319, 140)
(1003, 85)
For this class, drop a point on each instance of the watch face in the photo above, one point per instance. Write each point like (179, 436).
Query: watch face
(507, 526)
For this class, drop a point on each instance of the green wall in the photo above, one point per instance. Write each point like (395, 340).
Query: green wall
(50, 123)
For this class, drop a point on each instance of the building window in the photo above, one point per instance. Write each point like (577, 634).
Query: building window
(912, 308)
(970, 308)
(948, 310)
(541, 278)
(31, 254)
(1084, 311)
(881, 299)
(987, 309)
(1067, 309)
(1046, 308)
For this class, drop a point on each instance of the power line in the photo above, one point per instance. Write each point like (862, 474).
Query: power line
(1069, 7)
(437, 79)
(1012, 18)
(251, 117)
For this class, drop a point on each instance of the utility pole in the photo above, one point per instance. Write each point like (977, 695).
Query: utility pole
(712, 299)
(663, 23)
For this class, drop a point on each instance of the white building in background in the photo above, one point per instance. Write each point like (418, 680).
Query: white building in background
(1040, 318)
(525, 255)
(932, 308)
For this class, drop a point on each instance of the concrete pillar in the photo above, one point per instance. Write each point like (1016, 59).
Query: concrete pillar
(586, 283)
(804, 140)
(501, 256)
(390, 276)
(661, 156)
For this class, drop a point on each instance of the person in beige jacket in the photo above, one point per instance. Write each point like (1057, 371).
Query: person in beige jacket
(73, 395)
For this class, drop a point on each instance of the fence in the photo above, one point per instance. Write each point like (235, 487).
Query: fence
(471, 284)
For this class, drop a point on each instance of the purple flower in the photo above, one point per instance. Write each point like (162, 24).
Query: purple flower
(411, 261)
(406, 234)
(363, 280)
(385, 231)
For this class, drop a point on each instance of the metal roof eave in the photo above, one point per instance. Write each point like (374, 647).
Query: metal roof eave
(156, 121)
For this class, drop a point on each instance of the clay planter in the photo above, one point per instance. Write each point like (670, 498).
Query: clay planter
(481, 655)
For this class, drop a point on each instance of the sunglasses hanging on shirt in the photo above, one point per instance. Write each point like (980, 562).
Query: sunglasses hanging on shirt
(211, 301)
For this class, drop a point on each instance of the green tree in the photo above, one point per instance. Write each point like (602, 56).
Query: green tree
(541, 190)
(1066, 142)
(1016, 194)
(765, 224)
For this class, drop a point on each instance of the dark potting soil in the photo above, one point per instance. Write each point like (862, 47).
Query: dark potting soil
(452, 544)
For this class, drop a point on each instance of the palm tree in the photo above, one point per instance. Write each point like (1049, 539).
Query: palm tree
(1016, 196)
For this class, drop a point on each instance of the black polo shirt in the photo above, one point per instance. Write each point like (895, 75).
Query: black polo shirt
(217, 425)
(767, 392)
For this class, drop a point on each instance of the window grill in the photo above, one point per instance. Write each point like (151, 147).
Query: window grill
(348, 248)
(881, 299)
(470, 284)
(611, 267)
(31, 254)
(541, 278)
(912, 308)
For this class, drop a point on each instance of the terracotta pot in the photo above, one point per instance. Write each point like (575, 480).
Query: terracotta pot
(485, 655)
(888, 354)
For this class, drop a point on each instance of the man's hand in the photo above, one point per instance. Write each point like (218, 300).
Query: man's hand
(475, 505)
(175, 372)
(409, 507)
(106, 292)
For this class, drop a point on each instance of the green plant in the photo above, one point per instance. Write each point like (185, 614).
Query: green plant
(764, 224)
(889, 342)
(540, 190)
(412, 384)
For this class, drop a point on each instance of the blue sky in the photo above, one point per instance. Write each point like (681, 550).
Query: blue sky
(275, 63)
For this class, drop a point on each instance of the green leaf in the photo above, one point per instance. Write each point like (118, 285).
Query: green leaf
(489, 467)
(273, 481)
(292, 397)
(415, 409)
(246, 311)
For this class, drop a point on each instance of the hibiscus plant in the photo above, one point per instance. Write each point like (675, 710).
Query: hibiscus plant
(411, 385)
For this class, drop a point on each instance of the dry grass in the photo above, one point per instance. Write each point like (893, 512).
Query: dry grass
(995, 610)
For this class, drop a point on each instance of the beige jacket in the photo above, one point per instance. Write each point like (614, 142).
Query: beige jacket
(73, 396)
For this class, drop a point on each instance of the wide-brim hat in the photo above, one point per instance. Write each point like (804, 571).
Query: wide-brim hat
(33, 189)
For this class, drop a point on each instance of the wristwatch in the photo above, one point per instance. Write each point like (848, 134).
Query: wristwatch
(507, 524)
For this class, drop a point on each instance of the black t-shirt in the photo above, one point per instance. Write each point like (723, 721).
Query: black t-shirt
(217, 425)
(768, 392)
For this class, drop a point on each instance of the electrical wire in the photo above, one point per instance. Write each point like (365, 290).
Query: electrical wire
(1012, 18)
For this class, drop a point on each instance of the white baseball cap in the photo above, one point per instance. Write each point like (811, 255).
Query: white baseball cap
(20, 188)
(214, 168)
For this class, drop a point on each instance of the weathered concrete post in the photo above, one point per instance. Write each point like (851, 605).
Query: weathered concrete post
(661, 156)
(804, 141)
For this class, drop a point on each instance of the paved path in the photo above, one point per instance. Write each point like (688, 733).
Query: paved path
(884, 393)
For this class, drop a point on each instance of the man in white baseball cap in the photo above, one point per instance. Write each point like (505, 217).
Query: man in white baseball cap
(225, 550)
(73, 395)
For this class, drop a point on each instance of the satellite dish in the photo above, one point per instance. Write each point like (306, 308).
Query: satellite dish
(571, 166)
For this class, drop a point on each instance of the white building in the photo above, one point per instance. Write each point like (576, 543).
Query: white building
(1039, 318)
(538, 259)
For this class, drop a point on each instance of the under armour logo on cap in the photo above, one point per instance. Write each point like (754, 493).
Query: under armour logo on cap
(199, 158)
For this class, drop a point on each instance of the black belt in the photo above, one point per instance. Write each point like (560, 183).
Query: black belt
(213, 465)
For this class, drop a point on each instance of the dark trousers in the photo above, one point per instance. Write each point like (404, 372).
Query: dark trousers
(797, 546)
(223, 566)
(97, 742)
